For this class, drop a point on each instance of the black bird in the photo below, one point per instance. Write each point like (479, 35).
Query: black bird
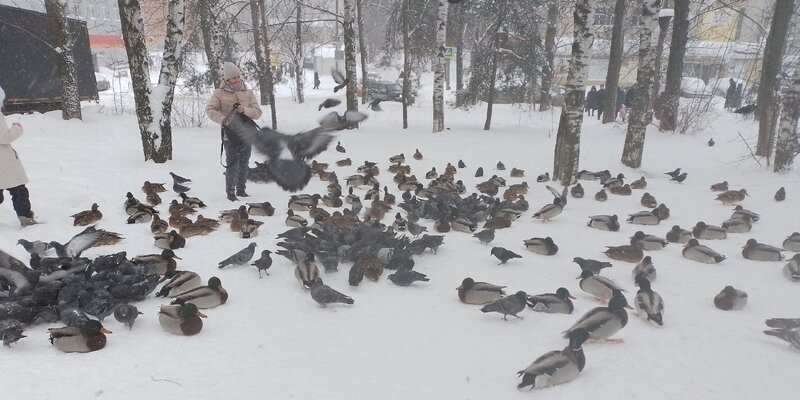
(126, 314)
(711, 142)
(340, 80)
(461, 164)
(746, 109)
(179, 179)
(680, 178)
(780, 195)
(10, 331)
(263, 263)
(591, 265)
(479, 172)
(328, 103)
(375, 105)
(356, 274)
(674, 173)
(406, 277)
(501, 166)
(178, 188)
(503, 254)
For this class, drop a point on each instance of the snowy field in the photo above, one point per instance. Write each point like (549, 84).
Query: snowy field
(272, 341)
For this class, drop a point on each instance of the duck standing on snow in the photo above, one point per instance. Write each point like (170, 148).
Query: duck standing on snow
(552, 303)
(649, 304)
(209, 296)
(79, 339)
(603, 322)
(557, 366)
(550, 211)
(644, 270)
(183, 319)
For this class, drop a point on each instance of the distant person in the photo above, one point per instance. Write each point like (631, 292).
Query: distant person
(590, 100)
(730, 94)
(316, 80)
(629, 96)
(737, 100)
(12, 174)
(601, 95)
(233, 99)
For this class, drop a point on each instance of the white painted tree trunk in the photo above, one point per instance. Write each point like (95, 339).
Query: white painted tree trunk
(438, 67)
(153, 104)
(568, 139)
(63, 40)
(786, 145)
(349, 34)
(641, 113)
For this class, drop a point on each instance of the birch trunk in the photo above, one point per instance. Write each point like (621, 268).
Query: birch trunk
(458, 38)
(212, 39)
(614, 62)
(768, 84)
(350, 54)
(270, 81)
(786, 146)
(153, 104)
(406, 60)
(672, 88)
(641, 113)
(438, 67)
(549, 53)
(62, 41)
(258, 49)
(568, 138)
(298, 50)
(362, 49)
(501, 16)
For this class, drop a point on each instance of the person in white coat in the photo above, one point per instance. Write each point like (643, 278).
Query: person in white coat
(233, 96)
(12, 174)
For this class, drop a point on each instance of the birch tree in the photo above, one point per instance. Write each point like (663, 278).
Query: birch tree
(212, 38)
(672, 88)
(438, 67)
(267, 70)
(768, 84)
(258, 49)
(614, 62)
(568, 138)
(550, 54)
(153, 104)
(406, 59)
(641, 113)
(62, 40)
(298, 52)
(350, 54)
(786, 146)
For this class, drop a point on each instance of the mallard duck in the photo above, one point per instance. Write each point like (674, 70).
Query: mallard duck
(171, 240)
(649, 304)
(509, 213)
(644, 218)
(358, 180)
(250, 229)
(130, 204)
(340, 148)
(552, 303)
(318, 167)
(87, 217)
(432, 174)
(644, 269)
(183, 319)
(479, 293)
(631, 253)
(708, 232)
(178, 282)
(303, 202)
(388, 198)
(780, 195)
(789, 335)
(662, 211)
(148, 187)
(498, 222)
(604, 222)
(545, 177)
(739, 211)
(158, 225)
(649, 242)
(176, 208)
(720, 187)
(618, 181)
(517, 173)
(544, 246)
(306, 271)
(442, 225)
(753, 250)
(190, 229)
(648, 200)
(557, 366)
(737, 225)
(522, 204)
(397, 159)
(678, 235)
(400, 224)
(549, 211)
(601, 195)
(191, 201)
(600, 287)
(142, 215)
(792, 268)
(463, 225)
(207, 222)
(417, 155)
(158, 264)
(209, 296)
(334, 188)
(577, 191)
(344, 162)
(730, 299)
(294, 221)
(700, 253)
(329, 176)
(732, 196)
(91, 336)
(792, 242)
(640, 183)
(603, 322)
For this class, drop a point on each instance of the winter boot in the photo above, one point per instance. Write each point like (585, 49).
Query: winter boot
(231, 196)
(241, 193)
(27, 221)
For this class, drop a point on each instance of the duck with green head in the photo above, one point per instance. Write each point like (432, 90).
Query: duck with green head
(182, 319)
(158, 264)
(204, 297)
(79, 339)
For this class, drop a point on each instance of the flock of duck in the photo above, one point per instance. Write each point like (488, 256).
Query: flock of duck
(81, 292)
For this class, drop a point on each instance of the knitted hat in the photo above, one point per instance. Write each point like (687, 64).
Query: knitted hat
(230, 70)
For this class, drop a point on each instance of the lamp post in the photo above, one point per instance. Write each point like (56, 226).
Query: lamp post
(664, 18)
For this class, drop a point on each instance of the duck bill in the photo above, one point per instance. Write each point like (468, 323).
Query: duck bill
(177, 257)
(201, 315)
(460, 287)
(104, 330)
(628, 307)
(572, 297)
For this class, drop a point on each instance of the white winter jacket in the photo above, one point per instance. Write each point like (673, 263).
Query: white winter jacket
(11, 172)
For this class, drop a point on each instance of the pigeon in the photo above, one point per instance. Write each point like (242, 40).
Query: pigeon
(479, 172)
(340, 80)
(10, 331)
(791, 336)
(406, 277)
(461, 164)
(191, 201)
(503, 254)
(263, 263)
(328, 103)
(35, 247)
(591, 265)
(746, 109)
(356, 274)
(180, 189)
(179, 179)
(243, 256)
(783, 323)
(324, 294)
(674, 173)
(501, 166)
(510, 305)
(711, 142)
(126, 314)
(780, 195)
(485, 236)
(375, 105)
(680, 178)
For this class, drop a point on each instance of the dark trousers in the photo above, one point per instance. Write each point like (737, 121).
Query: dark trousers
(599, 113)
(20, 198)
(237, 165)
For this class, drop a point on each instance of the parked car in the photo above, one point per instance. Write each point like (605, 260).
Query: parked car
(102, 83)
(388, 91)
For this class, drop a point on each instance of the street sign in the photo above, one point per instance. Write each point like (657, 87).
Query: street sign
(449, 52)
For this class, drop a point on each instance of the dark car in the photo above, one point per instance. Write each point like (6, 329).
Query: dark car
(387, 91)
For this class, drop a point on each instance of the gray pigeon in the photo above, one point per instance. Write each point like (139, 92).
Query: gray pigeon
(780, 195)
(592, 265)
(503, 254)
(356, 275)
(178, 178)
(324, 294)
(406, 277)
(10, 331)
(126, 314)
(328, 103)
(416, 229)
(510, 305)
(485, 236)
(178, 188)
(37, 247)
(263, 263)
(242, 257)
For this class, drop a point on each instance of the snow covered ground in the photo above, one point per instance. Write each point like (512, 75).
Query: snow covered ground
(272, 341)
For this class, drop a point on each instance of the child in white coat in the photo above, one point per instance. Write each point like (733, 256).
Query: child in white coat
(12, 174)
